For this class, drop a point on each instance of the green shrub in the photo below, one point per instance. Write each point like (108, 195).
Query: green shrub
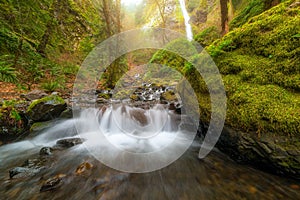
(51, 86)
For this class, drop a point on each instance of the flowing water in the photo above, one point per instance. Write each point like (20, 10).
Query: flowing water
(188, 27)
(215, 177)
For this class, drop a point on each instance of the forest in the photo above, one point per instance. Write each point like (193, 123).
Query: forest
(150, 99)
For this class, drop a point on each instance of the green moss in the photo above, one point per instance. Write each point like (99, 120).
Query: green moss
(11, 118)
(104, 96)
(248, 9)
(169, 96)
(52, 99)
(134, 97)
(207, 36)
(38, 126)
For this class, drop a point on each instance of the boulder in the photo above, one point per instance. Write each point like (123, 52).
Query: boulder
(271, 153)
(47, 108)
(34, 94)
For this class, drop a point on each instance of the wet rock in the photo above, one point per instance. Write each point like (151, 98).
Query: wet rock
(139, 115)
(83, 168)
(270, 153)
(67, 143)
(53, 183)
(23, 172)
(34, 94)
(38, 127)
(67, 114)
(101, 100)
(46, 151)
(47, 108)
(168, 96)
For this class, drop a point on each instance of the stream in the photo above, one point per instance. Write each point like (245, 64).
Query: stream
(73, 172)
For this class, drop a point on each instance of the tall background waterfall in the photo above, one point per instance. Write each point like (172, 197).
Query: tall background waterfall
(188, 27)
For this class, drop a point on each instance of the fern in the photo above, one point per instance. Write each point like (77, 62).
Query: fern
(7, 73)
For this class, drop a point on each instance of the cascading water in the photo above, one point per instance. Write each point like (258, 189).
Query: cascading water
(136, 130)
(188, 27)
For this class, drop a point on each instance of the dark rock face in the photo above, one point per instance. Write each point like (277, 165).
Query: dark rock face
(46, 108)
(270, 153)
(67, 143)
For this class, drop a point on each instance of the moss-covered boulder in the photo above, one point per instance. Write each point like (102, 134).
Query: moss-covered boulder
(47, 108)
(259, 62)
(13, 122)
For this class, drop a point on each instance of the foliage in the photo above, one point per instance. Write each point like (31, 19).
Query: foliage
(35, 49)
(11, 118)
(51, 86)
(7, 72)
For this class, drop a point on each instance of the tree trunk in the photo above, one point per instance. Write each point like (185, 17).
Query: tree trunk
(224, 16)
(45, 40)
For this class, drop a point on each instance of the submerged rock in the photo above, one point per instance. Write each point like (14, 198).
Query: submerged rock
(67, 143)
(53, 183)
(29, 168)
(83, 168)
(22, 172)
(47, 108)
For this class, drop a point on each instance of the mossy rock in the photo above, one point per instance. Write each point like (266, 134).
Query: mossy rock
(261, 72)
(208, 36)
(168, 96)
(39, 126)
(13, 121)
(47, 108)
(134, 97)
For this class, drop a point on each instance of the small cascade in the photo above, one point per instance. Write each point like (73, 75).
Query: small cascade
(188, 27)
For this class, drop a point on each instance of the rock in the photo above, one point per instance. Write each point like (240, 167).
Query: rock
(39, 127)
(23, 172)
(53, 183)
(277, 157)
(67, 143)
(47, 108)
(134, 97)
(83, 168)
(101, 100)
(168, 96)
(34, 94)
(67, 114)
(46, 151)
(139, 115)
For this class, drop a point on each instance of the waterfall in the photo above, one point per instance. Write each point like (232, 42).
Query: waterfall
(188, 27)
